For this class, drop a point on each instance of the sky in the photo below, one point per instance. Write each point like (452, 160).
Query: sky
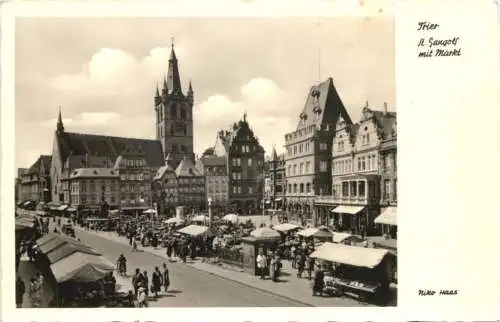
(102, 73)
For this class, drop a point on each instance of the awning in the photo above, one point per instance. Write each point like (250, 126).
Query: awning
(82, 268)
(285, 227)
(173, 220)
(56, 243)
(193, 230)
(71, 209)
(63, 207)
(268, 201)
(277, 199)
(387, 217)
(45, 239)
(341, 237)
(265, 233)
(351, 210)
(350, 255)
(68, 250)
(231, 217)
(27, 203)
(308, 232)
(200, 218)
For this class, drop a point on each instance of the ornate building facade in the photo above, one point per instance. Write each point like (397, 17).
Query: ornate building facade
(308, 151)
(245, 167)
(165, 189)
(354, 201)
(275, 178)
(190, 186)
(34, 183)
(174, 115)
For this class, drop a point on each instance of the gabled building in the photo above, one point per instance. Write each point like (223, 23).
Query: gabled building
(136, 159)
(20, 173)
(275, 181)
(165, 189)
(213, 165)
(190, 186)
(245, 167)
(35, 182)
(308, 151)
(355, 198)
(174, 115)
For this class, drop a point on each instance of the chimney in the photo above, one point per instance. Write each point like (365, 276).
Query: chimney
(385, 107)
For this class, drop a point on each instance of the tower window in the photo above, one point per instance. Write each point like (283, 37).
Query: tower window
(173, 111)
(183, 114)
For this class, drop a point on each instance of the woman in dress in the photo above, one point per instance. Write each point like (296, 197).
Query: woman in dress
(166, 277)
(156, 281)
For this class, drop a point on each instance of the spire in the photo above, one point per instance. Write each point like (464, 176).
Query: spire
(173, 78)
(274, 155)
(60, 126)
(190, 92)
(164, 90)
(157, 96)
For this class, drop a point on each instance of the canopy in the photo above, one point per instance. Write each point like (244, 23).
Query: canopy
(341, 237)
(66, 250)
(351, 210)
(25, 222)
(174, 220)
(81, 267)
(71, 209)
(387, 217)
(308, 232)
(193, 230)
(285, 227)
(231, 217)
(323, 233)
(149, 211)
(56, 243)
(63, 207)
(200, 218)
(45, 239)
(265, 233)
(350, 255)
(114, 211)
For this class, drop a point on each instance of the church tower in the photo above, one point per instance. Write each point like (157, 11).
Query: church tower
(174, 115)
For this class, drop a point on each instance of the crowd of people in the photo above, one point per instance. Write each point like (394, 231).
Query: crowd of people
(143, 287)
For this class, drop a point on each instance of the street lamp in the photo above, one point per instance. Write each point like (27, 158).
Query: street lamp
(209, 199)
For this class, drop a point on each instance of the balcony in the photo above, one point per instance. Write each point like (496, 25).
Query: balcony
(331, 200)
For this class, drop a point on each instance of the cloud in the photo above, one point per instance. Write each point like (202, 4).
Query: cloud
(262, 100)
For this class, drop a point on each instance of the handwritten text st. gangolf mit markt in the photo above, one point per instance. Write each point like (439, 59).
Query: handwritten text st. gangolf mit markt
(434, 47)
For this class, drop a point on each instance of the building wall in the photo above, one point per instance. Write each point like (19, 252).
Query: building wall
(135, 182)
(216, 182)
(388, 171)
(88, 192)
(276, 174)
(191, 192)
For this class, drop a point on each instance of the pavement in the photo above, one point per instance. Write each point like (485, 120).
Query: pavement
(27, 270)
(201, 284)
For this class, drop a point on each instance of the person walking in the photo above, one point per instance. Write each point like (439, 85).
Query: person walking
(20, 290)
(156, 280)
(261, 264)
(318, 283)
(310, 267)
(40, 279)
(142, 298)
(136, 280)
(301, 264)
(34, 294)
(166, 277)
(145, 282)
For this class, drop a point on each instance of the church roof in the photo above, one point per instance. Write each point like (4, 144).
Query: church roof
(94, 173)
(320, 105)
(162, 170)
(110, 147)
(187, 169)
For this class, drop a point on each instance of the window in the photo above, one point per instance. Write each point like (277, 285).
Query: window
(354, 188)
(323, 146)
(340, 146)
(295, 150)
(250, 162)
(300, 148)
(245, 149)
(173, 111)
(387, 161)
(374, 162)
(345, 189)
(323, 166)
(294, 169)
(308, 187)
(236, 162)
(289, 151)
(387, 189)
(301, 188)
(301, 168)
(183, 114)
(236, 176)
(174, 147)
(250, 190)
(294, 188)
(308, 166)
(289, 188)
(361, 189)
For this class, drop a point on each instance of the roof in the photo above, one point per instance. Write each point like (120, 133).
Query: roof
(187, 169)
(68, 250)
(322, 100)
(193, 230)
(340, 237)
(94, 173)
(109, 146)
(350, 255)
(213, 161)
(44, 162)
(81, 267)
(162, 170)
(285, 227)
(308, 232)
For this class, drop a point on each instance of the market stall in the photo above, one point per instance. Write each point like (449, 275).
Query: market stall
(346, 238)
(194, 230)
(286, 227)
(232, 218)
(362, 273)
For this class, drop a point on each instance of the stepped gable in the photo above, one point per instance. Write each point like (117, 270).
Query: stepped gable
(187, 169)
(110, 146)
